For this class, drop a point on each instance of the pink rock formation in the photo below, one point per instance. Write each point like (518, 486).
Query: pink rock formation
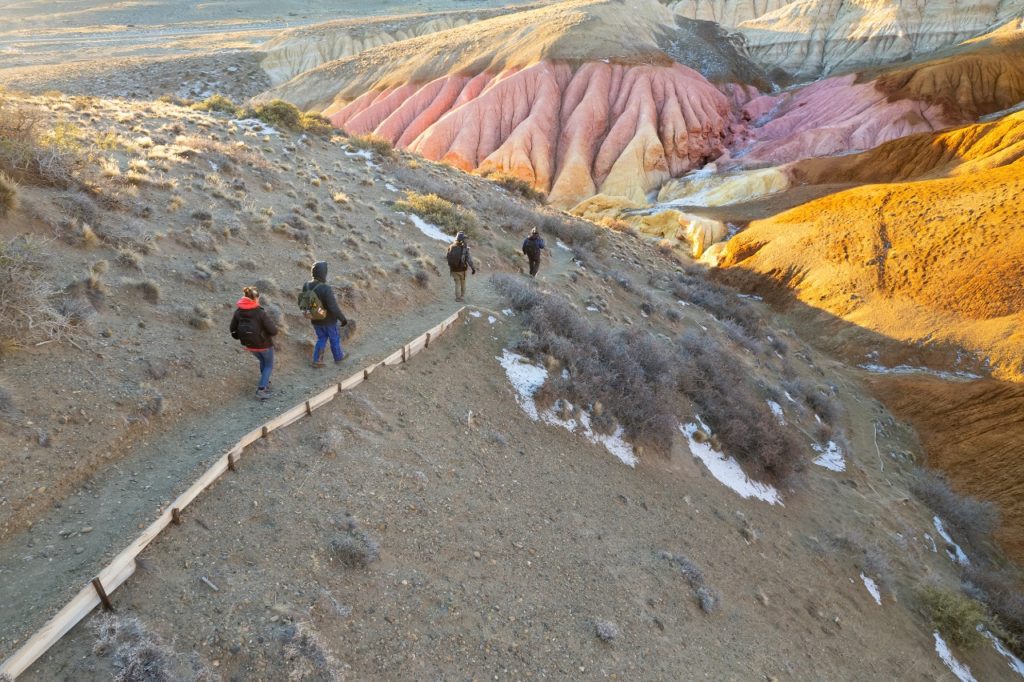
(611, 128)
(835, 115)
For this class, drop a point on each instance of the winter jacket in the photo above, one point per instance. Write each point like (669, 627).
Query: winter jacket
(249, 309)
(325, 293)
(467, 261)
(539, 243)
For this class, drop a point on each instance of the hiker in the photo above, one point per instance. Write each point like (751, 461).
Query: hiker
(532, 247)
(252, 326)
(319, 306)
(458, 260)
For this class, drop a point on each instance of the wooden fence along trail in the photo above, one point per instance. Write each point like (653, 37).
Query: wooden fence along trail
(123, 565)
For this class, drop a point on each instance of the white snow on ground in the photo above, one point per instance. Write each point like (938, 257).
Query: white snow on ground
(777, 411)
(907, 369)
(962, 672)
(682, 303)
(957, 556)
(561, 245)
(474, 313)
(592, 309)
(491, 319)
(254, 125)
(872, 588)
(1016, 665)
(389, 187)
(752, 297)
(429, 229)
(831, 456)
(362, 153)
(788, 396)
(526, 378)
(931, 542)
(726, 469)
(508, 312)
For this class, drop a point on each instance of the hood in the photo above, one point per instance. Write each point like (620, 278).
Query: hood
(320, 271)
(246, 303)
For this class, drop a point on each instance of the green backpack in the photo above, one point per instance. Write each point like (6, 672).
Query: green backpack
(310, 305)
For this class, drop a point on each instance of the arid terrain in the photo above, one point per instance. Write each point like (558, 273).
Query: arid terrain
(758, 416)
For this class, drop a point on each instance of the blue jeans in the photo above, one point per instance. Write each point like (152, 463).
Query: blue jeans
(266, 358)
(325, 333)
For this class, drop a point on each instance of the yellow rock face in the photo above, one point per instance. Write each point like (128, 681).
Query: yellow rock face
(723, 190)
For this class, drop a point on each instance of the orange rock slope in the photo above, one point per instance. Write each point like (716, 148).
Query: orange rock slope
(612, 128)
(936, 260)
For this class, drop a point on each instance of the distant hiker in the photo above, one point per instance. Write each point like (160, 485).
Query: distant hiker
(532, 247)
(252, 326)
(458, 261)
(319, 306)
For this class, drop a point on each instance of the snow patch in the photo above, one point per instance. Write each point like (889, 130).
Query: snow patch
(254, 125)
(508, 312)
(592, 309)
(429, 229)
(474, 313)
(831, 456)
(491, 319)
(527, 378)
(872, 588)
(931, 542)
(726, 469)
(777, 411)
(962, 672)
(1016, 665)
(958, 555)
(389, 187)
(560, 244)
(907, 369)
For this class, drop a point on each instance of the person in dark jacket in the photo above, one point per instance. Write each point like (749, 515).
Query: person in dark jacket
(327, 328)
(532, 247)
(254, 328)
(459, 261)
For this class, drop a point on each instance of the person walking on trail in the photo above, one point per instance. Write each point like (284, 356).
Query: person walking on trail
(533, 245)
(319, 306)
(254, 328)
(459, 261)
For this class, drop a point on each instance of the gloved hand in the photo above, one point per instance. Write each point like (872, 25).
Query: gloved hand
(474, 271)
(344, 323)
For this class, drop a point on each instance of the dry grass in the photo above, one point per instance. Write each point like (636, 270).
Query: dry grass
(27, 309)
(441, 212)
(515, 185)
(377, 145)
(8, 195)
(956, 616)
(971, 519)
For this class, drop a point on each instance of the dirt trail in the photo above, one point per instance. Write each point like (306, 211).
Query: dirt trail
(42, 567)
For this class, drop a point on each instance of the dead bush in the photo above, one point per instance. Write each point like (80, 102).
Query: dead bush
(440, 212)
(377, 145)
(1000, 589)
(972, 520)
(139, 655)
(718, 300)
(731, 405)
(514, 184)
(955, 615)
(353, 547)
(34, 152)
(307, 656)
(27, 308)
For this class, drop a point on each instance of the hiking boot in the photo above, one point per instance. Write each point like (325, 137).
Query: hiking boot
(316, 364)
(262, 393)
(341, 359)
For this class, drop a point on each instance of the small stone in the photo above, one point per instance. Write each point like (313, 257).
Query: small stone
(79, 550)
(86, 529)
(476, 555)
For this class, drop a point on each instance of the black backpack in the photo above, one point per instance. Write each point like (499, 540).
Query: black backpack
(249, 331)
(532, 249)
(457, 257)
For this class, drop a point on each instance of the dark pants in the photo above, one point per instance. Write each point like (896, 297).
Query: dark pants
(266, 358)
(327, 333)
(534, 267)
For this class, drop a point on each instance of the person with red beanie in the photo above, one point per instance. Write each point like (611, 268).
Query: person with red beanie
(252, 326)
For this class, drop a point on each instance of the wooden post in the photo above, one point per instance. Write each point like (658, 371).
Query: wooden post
(104, 599)
(309, 410)
(231, 461)
(403, 353)
(366, 374)
(426, 344)
(265, 432)
(176, 516)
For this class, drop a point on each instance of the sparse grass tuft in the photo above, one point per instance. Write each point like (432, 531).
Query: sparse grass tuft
(955, 615)
(315, 124)
(515, 185)
(606, 630)
(378, 145)
(1000, 590)
(446, 215)
(8, 195)
(218, 103)
(27, 310)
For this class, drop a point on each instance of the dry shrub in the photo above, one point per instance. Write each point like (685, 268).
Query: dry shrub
(27, 309)
(32, 152)
(139, 655)
(971, 519)
(8, 195)
(433, 209)
(718, 300)
(1001, 590)
(307, 656)
(731, 405)
(955, 615)
(354, 548)
(218, 103)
